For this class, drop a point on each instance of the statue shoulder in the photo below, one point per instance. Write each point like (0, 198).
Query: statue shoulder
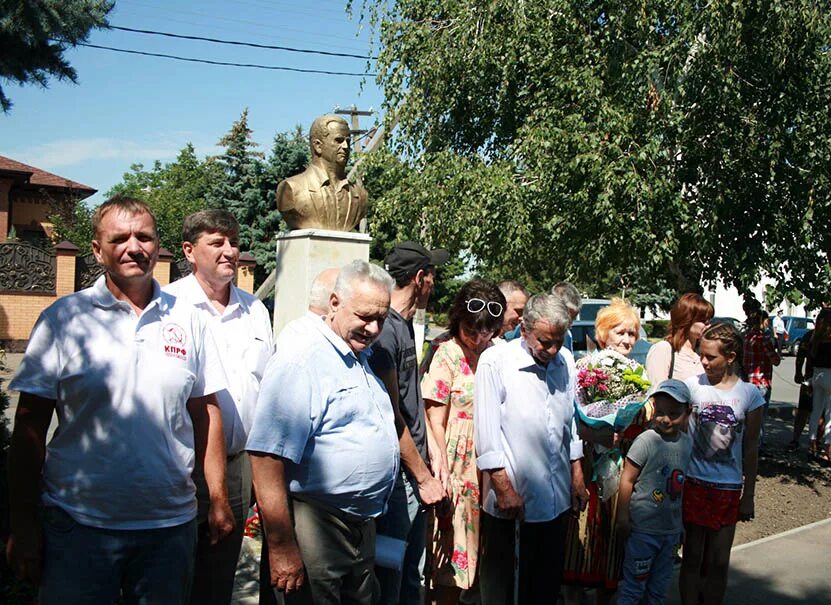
(298, 180)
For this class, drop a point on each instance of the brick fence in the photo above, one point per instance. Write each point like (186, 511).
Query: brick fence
(21, 304)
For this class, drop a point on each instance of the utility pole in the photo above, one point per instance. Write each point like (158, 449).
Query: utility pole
(355, 128)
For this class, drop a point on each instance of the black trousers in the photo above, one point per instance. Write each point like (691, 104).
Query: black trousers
(541, 557)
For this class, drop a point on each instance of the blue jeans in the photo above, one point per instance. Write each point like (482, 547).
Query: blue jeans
(406, 521)
(83, 564)
(647, 568)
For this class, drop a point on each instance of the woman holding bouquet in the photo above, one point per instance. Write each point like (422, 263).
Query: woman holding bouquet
(676, 356)
(594, 556)
(447, 387)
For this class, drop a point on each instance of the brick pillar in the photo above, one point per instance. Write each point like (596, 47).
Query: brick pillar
(245, 272)
(65, 253)
(162, 271)
(5, 207)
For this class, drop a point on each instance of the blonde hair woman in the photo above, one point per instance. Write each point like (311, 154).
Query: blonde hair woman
(594, 556)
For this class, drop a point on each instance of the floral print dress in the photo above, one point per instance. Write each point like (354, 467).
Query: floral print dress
(455, 546)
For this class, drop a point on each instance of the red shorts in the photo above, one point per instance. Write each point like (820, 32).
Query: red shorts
(710, 506)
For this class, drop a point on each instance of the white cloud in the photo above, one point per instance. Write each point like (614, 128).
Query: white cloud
(71, 152)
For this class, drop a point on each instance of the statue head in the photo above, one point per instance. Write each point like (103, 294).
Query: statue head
(329, 141)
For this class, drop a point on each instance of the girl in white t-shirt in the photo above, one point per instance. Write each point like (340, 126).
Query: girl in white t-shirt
(721, 477)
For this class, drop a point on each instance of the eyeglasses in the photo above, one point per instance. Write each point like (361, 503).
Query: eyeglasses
(476, 305)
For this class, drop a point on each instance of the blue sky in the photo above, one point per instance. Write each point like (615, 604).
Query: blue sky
(130, 109)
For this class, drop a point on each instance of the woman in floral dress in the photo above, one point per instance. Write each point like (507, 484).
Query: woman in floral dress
(447, 387)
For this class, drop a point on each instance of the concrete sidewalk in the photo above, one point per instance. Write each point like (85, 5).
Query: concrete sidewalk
(785, 569)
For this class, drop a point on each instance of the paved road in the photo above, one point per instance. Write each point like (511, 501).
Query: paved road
(784, 388)
(787, 569)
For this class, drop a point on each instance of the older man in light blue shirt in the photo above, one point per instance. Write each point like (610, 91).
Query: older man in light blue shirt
(524, 422)
(324, 449)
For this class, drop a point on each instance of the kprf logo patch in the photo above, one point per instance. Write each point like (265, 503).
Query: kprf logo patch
(175, 341)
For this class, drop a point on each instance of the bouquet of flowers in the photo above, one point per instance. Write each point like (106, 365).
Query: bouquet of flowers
(611, 390)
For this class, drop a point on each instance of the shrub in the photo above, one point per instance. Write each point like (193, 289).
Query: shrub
(656, 328)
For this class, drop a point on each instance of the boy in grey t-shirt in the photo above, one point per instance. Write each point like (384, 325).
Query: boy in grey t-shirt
(649, 499)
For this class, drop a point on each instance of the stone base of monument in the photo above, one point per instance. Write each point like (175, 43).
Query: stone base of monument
(301, 255)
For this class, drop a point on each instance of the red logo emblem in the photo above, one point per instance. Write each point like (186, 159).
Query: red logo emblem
(176, 340)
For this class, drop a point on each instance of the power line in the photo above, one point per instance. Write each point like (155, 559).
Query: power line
(259, 24)
(226, 63)
(254, 30)
(237, 43)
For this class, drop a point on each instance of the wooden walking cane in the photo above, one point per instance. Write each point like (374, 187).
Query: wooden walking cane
(517, 524)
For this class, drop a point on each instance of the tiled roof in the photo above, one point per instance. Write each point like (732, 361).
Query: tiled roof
(41, 178)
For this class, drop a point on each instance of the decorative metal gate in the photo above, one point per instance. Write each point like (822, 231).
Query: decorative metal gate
(26, 268)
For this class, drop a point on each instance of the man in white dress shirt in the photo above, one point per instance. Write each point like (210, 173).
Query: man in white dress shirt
(241, 328)
(528, 451)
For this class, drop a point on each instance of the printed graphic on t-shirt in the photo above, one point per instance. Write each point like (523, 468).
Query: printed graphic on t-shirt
(675, 484)
(717, 428)
(409, 359)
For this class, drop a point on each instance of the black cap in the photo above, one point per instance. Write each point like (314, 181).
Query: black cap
(407, 258)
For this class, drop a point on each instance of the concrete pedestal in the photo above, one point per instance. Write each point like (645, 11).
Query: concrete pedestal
(301, 255)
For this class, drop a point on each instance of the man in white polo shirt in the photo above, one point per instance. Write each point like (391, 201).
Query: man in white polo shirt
(108, 505)
(240, 325)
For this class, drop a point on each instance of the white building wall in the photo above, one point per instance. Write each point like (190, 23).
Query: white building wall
(728, 301)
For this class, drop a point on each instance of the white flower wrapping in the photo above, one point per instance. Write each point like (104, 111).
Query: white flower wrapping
(611, 389)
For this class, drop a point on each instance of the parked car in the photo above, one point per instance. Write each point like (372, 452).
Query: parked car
(588, 312)
(796, 328)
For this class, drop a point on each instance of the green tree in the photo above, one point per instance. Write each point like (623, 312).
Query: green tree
(683, 142)
(289, 156)
(34, 34)
(74, 226)
(395, 215)
(172, 191)
(247, 185)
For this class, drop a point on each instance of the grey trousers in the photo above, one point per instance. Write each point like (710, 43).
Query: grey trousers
(216, 564)
(338, 554)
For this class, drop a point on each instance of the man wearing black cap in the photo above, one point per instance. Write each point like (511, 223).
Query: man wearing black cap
(394, 360)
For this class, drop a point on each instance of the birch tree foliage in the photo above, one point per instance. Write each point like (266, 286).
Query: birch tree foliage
(680, 141)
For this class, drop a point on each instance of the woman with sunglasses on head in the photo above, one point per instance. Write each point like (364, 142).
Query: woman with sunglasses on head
(721, 476)
(447, 386)
(675, 356)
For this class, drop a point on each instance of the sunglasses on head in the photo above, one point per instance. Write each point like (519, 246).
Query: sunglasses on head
(476, 305)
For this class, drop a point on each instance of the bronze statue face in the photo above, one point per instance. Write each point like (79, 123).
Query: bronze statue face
(334, 148)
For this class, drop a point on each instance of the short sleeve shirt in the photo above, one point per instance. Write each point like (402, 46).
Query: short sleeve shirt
(243, 337)
(655, 507)
(396, 346)
(123, 453)
(324, 411)
(717, 427)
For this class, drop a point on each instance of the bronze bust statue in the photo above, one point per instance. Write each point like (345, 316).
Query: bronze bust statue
(321, 197)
